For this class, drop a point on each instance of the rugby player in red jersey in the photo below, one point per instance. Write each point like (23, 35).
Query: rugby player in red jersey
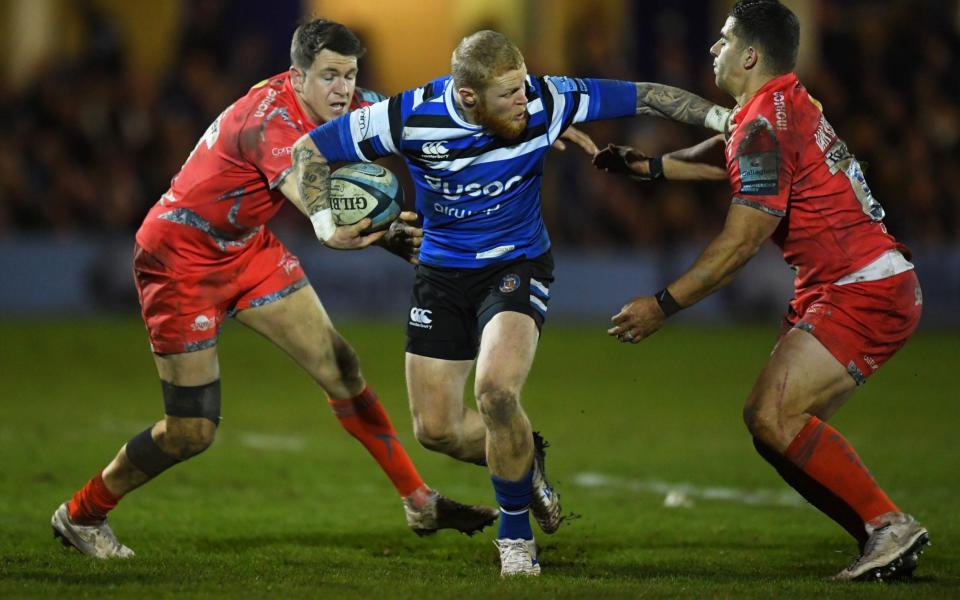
(857, 298)
(204, 254)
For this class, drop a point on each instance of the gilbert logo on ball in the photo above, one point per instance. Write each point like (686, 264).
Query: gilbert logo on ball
(362, 190)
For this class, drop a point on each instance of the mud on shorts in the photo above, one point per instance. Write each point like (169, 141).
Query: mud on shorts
(861, 324)
(450, 307)
(184, 309)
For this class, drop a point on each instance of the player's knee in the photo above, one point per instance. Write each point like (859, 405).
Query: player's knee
(188, 438)
(761, 421)
(498, 405)
(193, 413)
(435, 434)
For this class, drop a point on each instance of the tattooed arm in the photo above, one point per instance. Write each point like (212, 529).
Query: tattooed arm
(668, 102)
(312, 196)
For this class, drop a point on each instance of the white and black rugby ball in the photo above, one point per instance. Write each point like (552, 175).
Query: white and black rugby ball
(361, 190)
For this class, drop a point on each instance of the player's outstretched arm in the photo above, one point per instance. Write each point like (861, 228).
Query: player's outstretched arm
(743, 233)
(681, 165)
(669, 102)
(313, 199)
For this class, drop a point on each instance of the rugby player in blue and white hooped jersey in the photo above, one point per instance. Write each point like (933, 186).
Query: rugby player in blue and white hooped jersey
(475, 143)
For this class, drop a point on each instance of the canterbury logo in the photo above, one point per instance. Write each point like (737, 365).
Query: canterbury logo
(420, 316)
(435, 149)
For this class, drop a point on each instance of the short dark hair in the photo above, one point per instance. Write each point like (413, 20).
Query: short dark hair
(311, 38)
(773, 28)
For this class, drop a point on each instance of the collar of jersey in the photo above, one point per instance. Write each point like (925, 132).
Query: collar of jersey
(452, 108)
(779, 82)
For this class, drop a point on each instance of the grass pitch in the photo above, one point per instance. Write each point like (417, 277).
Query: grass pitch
(286, 504)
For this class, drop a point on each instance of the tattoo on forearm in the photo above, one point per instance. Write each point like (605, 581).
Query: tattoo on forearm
(669, 102)
(312, 179)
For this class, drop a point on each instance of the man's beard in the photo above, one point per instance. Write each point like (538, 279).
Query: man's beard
(505, 127)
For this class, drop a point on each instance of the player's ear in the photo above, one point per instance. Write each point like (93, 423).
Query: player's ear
(296, 80)
(751, 58)
(468, 97)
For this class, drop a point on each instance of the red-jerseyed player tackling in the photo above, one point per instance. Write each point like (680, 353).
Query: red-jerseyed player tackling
(857, 297)
(204, 254)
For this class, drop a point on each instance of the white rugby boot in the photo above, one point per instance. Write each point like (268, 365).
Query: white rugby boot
(440, 512)
(545, 503)
(517, 557)
(93, 540)
(895, 544)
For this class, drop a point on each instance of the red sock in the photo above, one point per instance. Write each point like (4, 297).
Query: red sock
(365, 418)
(822, 453)
(91, 504)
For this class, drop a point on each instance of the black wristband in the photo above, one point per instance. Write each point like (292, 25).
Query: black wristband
(668, 304)
(656, 167)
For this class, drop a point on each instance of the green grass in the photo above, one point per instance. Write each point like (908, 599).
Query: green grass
(313, 516)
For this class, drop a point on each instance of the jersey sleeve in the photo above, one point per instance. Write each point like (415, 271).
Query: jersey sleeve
(761, 165)
(570, 100)
(364, 135)
(266, 140)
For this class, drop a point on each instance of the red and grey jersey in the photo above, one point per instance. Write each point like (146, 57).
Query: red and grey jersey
(228, 187)
(785, 159)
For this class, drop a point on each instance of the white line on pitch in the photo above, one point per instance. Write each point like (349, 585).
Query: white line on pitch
(682, 493)
(265, 441)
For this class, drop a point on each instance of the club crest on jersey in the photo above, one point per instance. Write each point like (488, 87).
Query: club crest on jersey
(435, 150)
(509, 283)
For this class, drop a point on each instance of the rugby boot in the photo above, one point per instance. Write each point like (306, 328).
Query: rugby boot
(895, 544)
(440, 512)
(517, 557)
(93, 540)
(545, 503)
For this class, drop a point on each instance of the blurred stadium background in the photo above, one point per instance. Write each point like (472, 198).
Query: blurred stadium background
(102, 100)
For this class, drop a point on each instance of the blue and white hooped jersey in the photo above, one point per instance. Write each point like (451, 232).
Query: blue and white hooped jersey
(479, 195)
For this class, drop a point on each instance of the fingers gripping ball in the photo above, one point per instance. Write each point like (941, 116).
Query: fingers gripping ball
(362, 190)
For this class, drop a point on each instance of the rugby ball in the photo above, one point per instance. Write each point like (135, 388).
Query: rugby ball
(361, 190)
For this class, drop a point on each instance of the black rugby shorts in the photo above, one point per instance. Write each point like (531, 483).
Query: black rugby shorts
(450, 307)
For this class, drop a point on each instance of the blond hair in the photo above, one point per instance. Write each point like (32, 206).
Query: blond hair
(482, 56)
